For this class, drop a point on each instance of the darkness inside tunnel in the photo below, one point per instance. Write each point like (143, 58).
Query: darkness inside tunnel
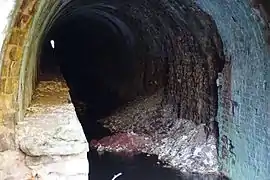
(111, 52)
(95, 58)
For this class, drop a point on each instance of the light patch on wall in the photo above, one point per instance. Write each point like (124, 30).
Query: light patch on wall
(52, 44)
(5, 17)
(6, 10)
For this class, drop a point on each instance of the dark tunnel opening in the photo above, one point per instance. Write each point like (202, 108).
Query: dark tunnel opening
(111, 53)
(95, 58)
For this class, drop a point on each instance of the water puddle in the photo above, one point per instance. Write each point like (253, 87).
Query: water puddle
(111, 166)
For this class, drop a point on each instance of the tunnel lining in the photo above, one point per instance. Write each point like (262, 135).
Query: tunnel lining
(167, 73)
(150, 47)
(159, 55)
(158, 59)
(34, 38)
(9, 96)
(149, 54)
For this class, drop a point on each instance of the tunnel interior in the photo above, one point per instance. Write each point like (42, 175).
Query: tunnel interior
(95, 59)
(110, 53)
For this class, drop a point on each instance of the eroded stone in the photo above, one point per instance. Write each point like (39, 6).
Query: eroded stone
(51, 126)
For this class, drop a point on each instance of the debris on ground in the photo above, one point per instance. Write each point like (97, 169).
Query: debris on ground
(145, 126)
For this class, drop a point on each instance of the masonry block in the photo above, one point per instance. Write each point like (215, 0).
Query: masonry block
(17, 37)
(7, 102)
(9, 85)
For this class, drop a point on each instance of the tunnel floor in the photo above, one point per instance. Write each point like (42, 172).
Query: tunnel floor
(51, 97)
(104, 164)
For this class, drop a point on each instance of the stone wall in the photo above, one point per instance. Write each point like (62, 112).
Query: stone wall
(30, 58)
(21, 29)
(244, 92)
(8, 11)
(12, 55)
(18, 63)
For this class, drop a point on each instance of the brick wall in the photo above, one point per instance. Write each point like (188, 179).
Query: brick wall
(19, 40)
(244, 92)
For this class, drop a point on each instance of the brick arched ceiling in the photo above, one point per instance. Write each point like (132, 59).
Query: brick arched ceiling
(182, 41)
(177, 45)
(26, 27)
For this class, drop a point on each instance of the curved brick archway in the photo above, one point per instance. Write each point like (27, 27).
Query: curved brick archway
(19, 65)
(20, 61)
(20, 53)
(18, 78)
(18, 69)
